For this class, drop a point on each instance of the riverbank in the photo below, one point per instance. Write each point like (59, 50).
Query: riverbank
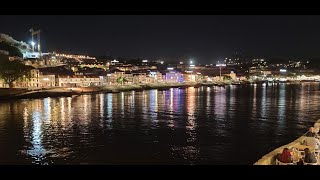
(6, 94)
(10, 92)
(159, 86)
(270, 158)
(17, 93)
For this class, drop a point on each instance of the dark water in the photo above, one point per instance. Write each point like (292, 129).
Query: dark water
(232, 125)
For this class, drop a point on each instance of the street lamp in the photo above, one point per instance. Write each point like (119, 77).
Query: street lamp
(32, 43)
(220, 65)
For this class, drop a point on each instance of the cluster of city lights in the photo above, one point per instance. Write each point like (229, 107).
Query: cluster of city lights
(75, 56)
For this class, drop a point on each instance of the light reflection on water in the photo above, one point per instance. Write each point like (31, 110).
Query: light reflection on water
(263, 102)
(204, 125)
(37, 151)
(154, 106)
(281, 105)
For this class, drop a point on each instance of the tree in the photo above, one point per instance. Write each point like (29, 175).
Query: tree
(227, 78)
(11, 71)
(121, 80)
(13, 51)
(199, 78)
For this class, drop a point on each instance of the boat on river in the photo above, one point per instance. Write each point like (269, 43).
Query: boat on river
(270, 158)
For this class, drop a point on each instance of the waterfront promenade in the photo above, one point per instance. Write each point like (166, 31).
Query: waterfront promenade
(19, 93)
(8, 94)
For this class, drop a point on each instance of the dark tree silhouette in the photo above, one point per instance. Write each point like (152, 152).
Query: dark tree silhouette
(13, 51)
(11, 71)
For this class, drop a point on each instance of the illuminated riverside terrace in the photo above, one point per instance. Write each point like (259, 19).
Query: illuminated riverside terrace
(206, 125)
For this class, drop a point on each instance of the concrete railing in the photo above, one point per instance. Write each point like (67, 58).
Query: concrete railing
(270, 158)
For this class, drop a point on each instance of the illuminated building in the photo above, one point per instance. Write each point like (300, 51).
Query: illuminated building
(73, 56)
(79, 81)
(47, 81)
(173, 76)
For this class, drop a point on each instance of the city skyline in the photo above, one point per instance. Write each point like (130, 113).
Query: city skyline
(206, 39)
(159, 90)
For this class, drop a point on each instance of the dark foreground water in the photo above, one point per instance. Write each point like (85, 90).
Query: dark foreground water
(231, 125)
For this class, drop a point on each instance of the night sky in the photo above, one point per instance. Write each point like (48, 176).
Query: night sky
(204, 38)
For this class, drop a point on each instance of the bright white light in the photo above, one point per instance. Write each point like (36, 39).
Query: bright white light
(283, 70)
(32, 43)
(221, 65)
(282, 79)
(170, 68)
(144, 60)
(161, 62)
(46, 79)
(191, 62)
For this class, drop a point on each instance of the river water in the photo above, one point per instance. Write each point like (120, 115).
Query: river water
(206, 125)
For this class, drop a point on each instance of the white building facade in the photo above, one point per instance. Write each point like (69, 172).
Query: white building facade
(79, 81)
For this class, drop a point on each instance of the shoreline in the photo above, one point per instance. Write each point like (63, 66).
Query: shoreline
(15, 94)
(69, 92)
